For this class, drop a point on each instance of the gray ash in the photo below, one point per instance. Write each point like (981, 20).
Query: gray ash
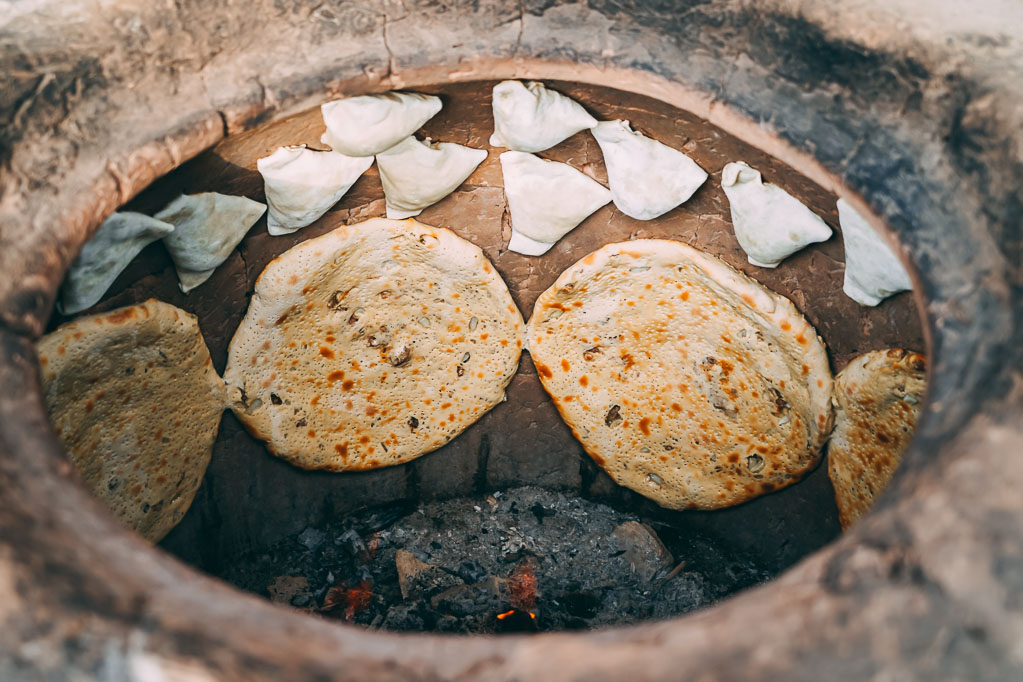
(526, 559)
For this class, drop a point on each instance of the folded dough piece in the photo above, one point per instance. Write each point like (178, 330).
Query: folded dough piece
(531, 118)
(647, 178)
(207, 227)
(418, 174)
(547, 200)
(117, 241)
(769, 223)
(370, 124)
(872, 270)
(302, 184)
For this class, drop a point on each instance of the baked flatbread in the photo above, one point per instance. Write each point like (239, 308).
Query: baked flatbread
(769, 223)
(685, 380)
(372, 345)
(878, 397)
(872, 270)
(134, 398)
(647, 178)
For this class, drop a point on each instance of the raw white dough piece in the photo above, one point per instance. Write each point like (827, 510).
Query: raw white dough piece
(370, 124)
(117, 241)
(531, 118)
(769, 223)
(547, 200)
(207, 227)
(302, 184)
(647, 178)
(872, 270)
(418, 174)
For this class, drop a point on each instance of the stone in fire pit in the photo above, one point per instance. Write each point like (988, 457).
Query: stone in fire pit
(541, 560)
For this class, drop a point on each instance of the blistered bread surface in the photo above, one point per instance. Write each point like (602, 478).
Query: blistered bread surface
(372, 345)
(134, 398)
(878, 397)
(685, 380)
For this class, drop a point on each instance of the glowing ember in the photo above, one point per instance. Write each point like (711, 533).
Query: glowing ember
(508, 614)
(522, 586)
(347, 601)
(527, 560)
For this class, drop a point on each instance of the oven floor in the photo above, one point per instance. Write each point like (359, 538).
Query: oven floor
(520, 560)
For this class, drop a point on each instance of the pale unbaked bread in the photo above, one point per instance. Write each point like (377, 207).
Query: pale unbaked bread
(546, 200)
(117, 241)
(685, 380)
(770, 224)
(302, 184)
(369, 124)
(647, 178)
(530, 118)
(372, 345)
(877, 399)
(872, 270)
(419, 174)
(207, 228)
(134, 398)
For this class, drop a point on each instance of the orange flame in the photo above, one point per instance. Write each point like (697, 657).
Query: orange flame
(502, 616)
(349, 601)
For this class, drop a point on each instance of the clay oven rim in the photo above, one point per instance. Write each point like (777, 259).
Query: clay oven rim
(83, 590)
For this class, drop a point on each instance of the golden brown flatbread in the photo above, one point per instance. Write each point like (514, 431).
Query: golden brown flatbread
(878, 398)
(372, 345)
(685, 380)
(134, 398)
